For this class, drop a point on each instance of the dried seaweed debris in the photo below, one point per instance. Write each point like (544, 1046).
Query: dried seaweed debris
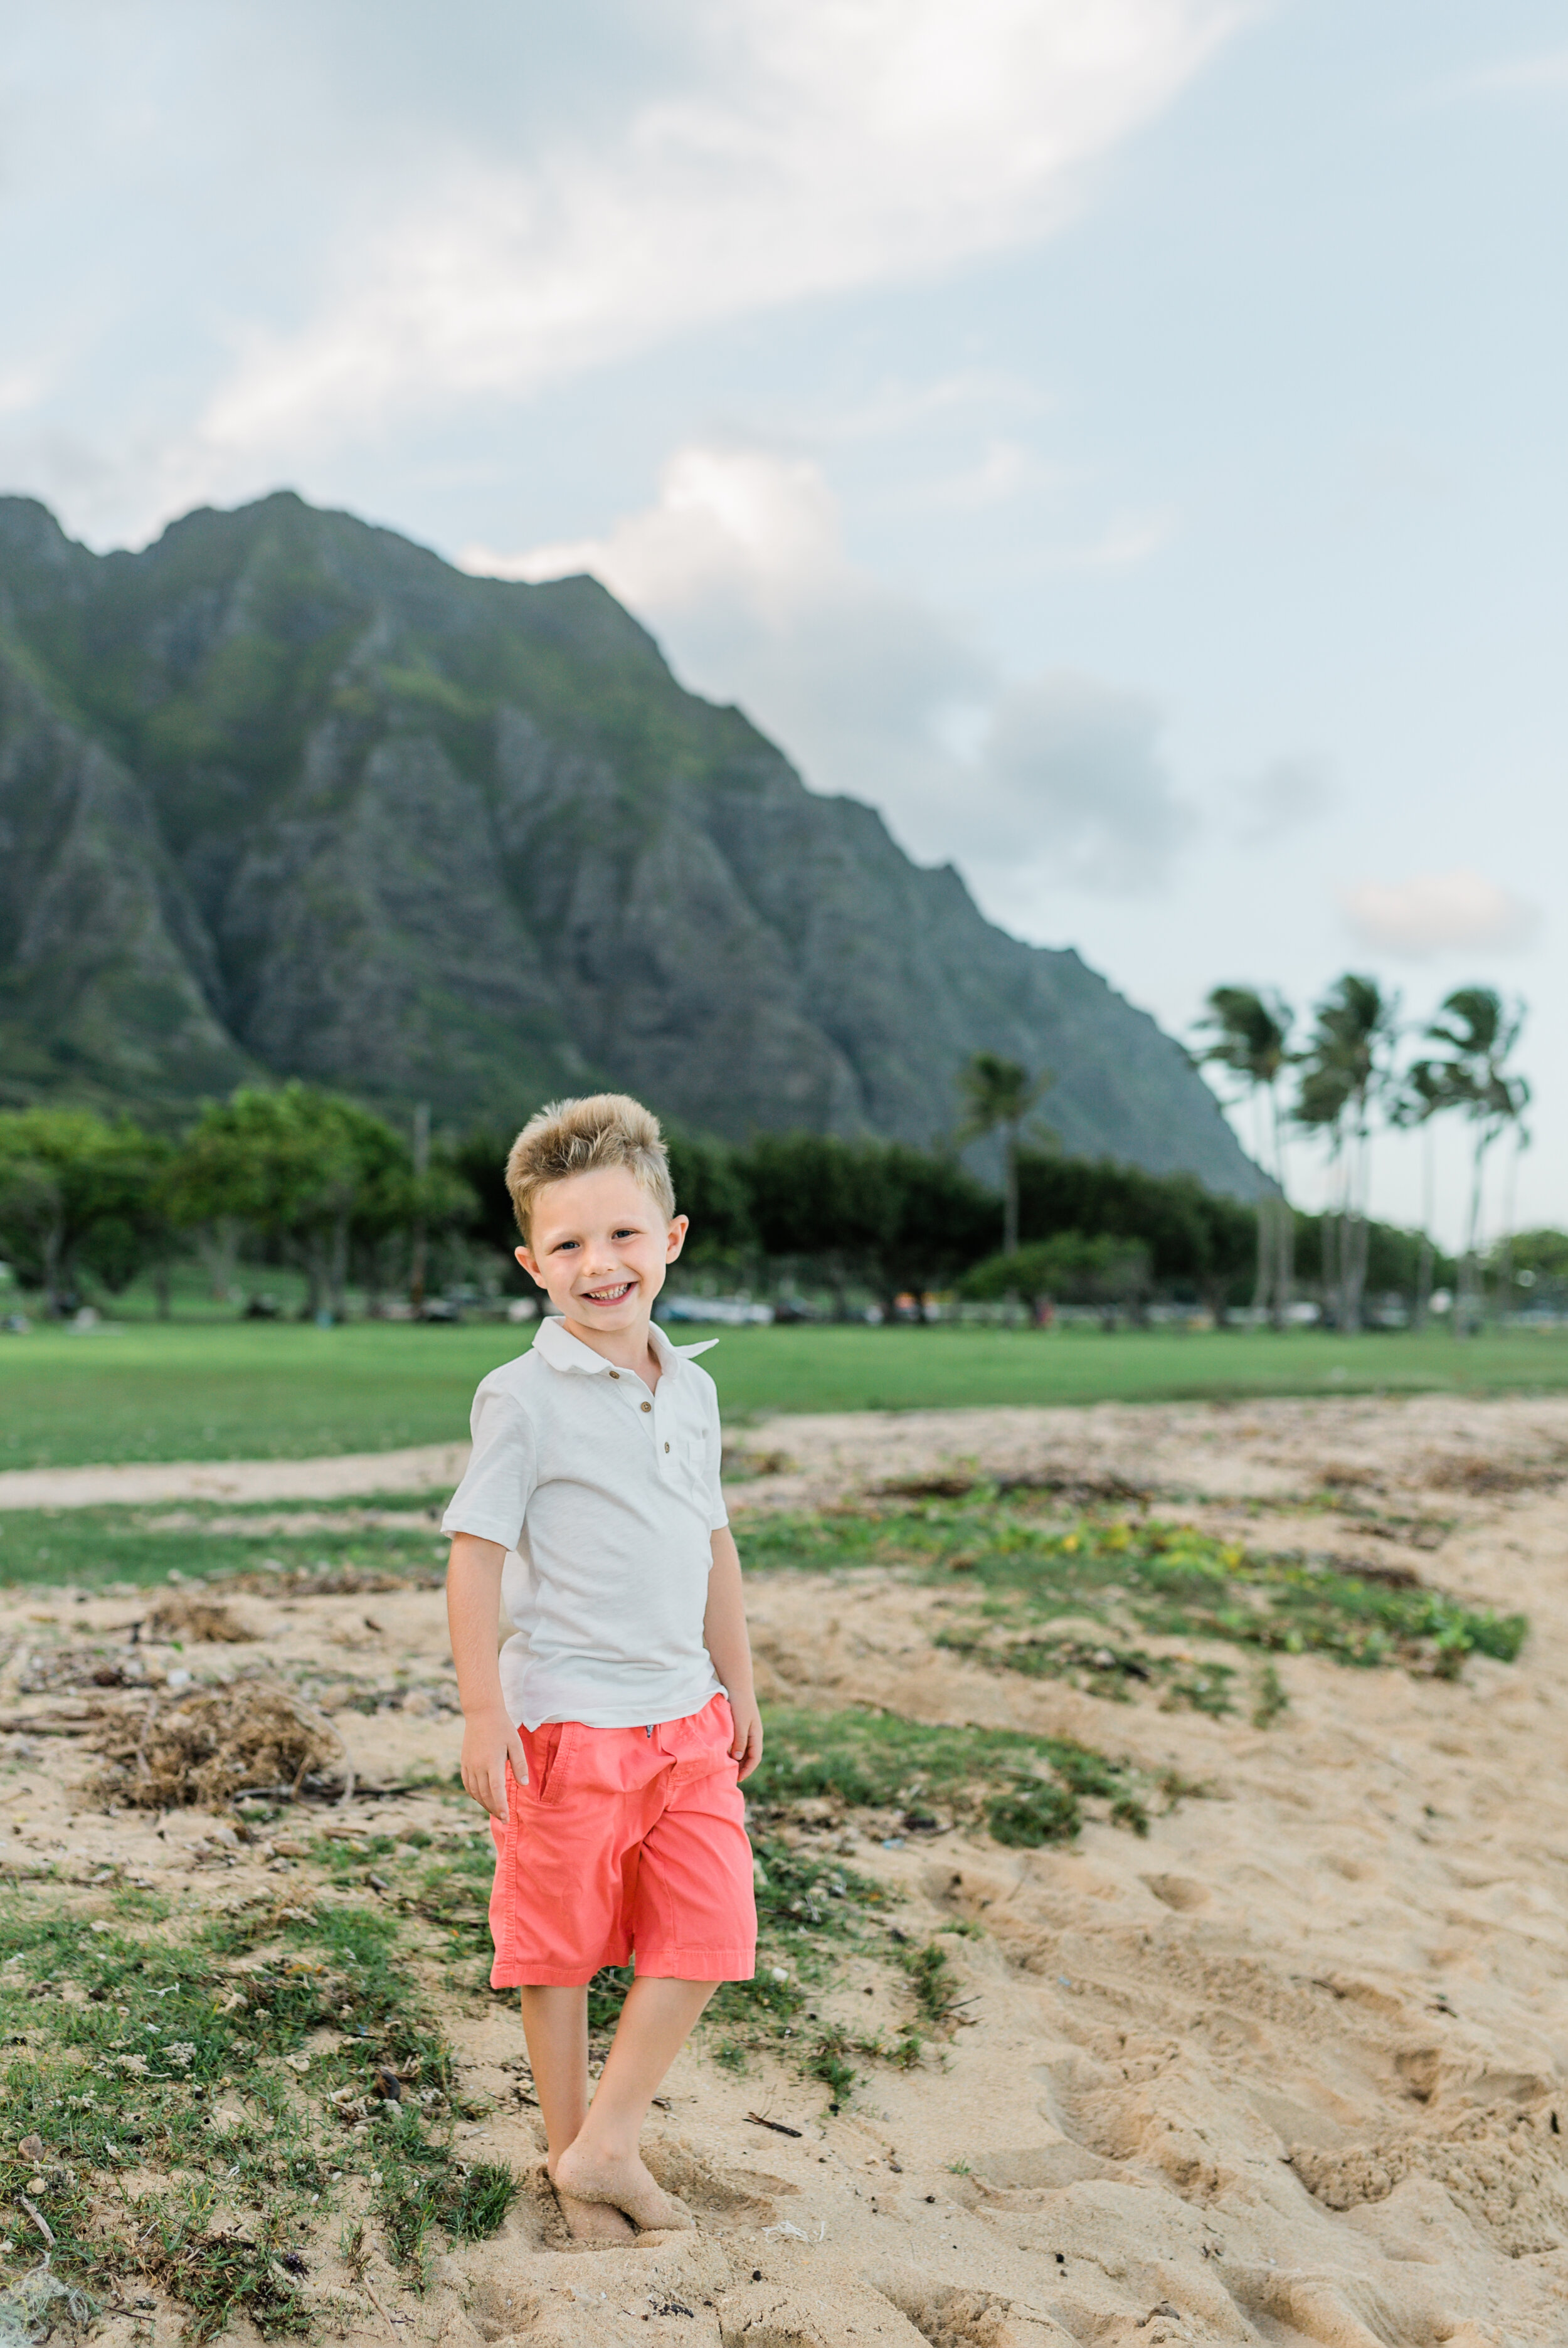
(208, 1746)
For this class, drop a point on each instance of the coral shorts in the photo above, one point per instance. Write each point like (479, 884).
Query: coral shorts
(625, 1843)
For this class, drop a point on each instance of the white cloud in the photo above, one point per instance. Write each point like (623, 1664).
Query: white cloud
(1037, 789)
(817, 145)
(1439, 913)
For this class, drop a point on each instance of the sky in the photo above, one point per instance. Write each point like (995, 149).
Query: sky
(1122, 439)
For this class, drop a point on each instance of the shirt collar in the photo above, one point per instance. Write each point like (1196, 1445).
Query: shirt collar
(563, 1351)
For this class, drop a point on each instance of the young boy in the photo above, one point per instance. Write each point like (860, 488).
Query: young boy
(609, 1737)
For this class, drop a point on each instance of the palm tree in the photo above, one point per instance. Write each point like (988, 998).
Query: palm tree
(1320, 1105)
(1480, 1031)
(1346, 1074)
(1417, 1105)
(1507, 1300)
(1251, 1035)
(999, 1093)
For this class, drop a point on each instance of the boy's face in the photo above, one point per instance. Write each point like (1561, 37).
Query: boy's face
(599, 1246)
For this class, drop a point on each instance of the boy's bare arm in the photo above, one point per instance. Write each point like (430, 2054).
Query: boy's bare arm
(473, 1614)
(724, 1633)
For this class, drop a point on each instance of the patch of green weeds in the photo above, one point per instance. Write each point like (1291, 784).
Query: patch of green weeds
(476, 2210)
(453, 1891)
(811, 1914)
(930, 1970)
(930, 1776)
(448, 1887)
(829, 2060)
(187, 2056)
(220, 2273)
(91, 1548)
(133, 1906)
(1028, 1815)
(804, 1894)
(349, 1860)
(353, 2250)
(606, 1995)
(1206, 1691)
(1029, 1562)
(1270, 1698)
(407, 2202)
(1103, 1669)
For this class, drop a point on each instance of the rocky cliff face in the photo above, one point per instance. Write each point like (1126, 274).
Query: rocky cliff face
(284, 793)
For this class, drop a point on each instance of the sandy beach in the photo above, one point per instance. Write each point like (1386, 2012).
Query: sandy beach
(1293, 2068)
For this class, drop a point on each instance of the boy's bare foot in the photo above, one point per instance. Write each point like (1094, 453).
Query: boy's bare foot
(592, 2222)
(625, 2183)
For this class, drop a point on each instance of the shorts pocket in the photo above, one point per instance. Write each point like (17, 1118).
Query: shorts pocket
(553, 1746)
(710, 1752)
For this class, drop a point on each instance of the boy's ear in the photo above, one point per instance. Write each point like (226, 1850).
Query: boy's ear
(526, 1260)
(679, 1226)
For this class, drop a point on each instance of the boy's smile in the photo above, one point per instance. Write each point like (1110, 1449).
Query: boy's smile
(599, 1245)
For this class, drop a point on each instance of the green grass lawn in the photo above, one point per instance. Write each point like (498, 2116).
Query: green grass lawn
(260, 1390)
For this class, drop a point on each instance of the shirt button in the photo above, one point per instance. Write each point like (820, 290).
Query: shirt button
(614, 1374)
(646, 1405)
(666, 1446)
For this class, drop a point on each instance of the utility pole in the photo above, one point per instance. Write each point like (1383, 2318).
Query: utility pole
(422, 1168)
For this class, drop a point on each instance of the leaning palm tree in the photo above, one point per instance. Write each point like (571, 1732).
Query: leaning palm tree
(1346, 1074)
(999, 1093)
(1250, 1037)
(1481, 1031)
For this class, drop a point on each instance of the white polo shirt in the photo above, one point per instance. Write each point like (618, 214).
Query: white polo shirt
(604, 1496)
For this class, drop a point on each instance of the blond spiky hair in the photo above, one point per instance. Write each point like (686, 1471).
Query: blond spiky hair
(578, 1137)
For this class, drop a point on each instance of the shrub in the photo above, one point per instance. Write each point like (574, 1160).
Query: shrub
(1080, 1271)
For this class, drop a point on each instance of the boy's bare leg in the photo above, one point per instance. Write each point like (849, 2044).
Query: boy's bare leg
(603, 2163)
(555, 2025)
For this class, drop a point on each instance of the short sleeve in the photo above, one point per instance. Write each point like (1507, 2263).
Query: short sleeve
(493, 1496)
(719, 1515)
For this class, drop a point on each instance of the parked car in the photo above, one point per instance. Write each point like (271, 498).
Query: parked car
(730, 1312)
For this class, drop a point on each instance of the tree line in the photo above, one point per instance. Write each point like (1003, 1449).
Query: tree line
(308, 1179)
(300, 1175)
(1359, 1069)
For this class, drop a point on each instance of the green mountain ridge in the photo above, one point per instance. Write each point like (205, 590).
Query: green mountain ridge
(284, 794)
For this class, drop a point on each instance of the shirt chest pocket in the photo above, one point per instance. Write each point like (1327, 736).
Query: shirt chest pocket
(689, 1453)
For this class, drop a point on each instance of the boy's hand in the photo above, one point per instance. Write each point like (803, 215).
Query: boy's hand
(489, 1742)
(746, 1745)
